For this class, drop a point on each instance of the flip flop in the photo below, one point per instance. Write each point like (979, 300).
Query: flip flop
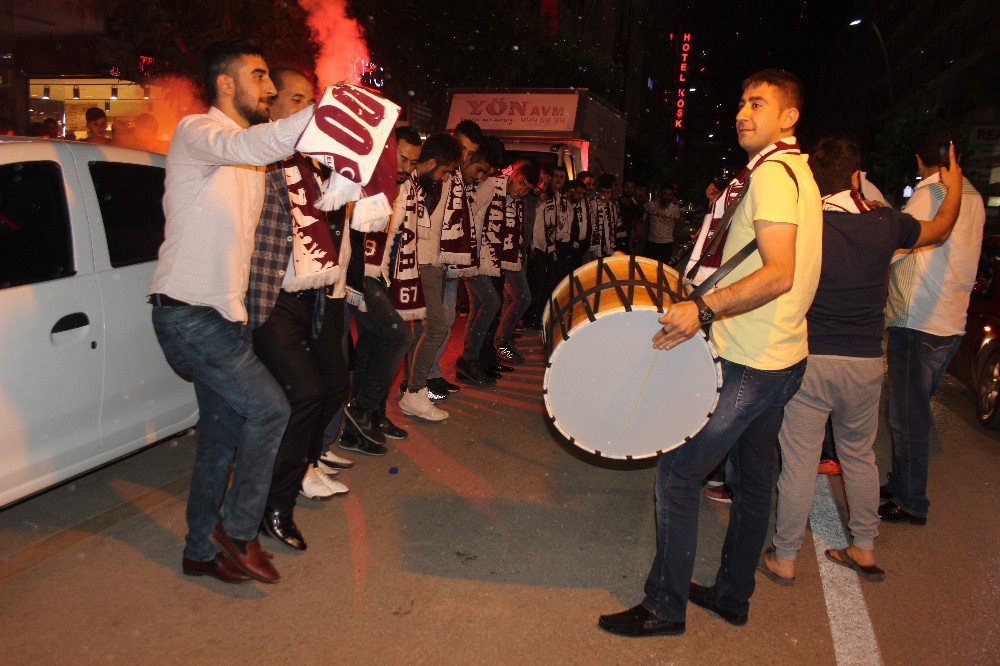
(841, 557)
(773, 577)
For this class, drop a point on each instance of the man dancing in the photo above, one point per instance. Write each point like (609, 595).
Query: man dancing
(212, 204)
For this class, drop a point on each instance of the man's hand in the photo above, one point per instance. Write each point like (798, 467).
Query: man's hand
(680, 323)
(951, 175)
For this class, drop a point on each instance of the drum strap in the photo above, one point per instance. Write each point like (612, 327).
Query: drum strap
(730, 264)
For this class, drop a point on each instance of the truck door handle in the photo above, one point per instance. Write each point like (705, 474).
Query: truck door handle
(71, 321)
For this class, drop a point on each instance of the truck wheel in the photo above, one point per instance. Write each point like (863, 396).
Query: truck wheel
(988, 391)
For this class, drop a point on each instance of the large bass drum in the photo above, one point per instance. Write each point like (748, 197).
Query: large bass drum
(607, 390)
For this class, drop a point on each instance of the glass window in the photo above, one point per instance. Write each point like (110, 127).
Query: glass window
(131, 201)
(35, 239)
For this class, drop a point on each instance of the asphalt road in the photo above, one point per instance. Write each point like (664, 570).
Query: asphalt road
(494, 543)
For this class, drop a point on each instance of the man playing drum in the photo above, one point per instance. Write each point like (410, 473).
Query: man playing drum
(759, 328)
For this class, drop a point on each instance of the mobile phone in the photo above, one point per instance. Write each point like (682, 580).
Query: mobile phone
(943, 154)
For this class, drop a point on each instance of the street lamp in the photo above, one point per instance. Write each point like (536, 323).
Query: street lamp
(885, 54)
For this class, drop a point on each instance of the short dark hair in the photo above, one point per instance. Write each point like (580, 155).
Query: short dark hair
(545, 168)
(560, 167)
(93, 113)
(470, 130)
(669, 185)
(834, 160)
(606, 180)
(584, 174)
(576, 182)
(529, 170)
(441, 147)
(280, 71)
(788, 85)
(493, 148)
(219, 57)
(929, 145)
(409, 135)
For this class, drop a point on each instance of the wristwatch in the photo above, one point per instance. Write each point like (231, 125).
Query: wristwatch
(705, 313)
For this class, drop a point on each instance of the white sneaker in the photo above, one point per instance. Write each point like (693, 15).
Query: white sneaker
(315, 487)
(331, 459)
(335, 486)
(419, 405)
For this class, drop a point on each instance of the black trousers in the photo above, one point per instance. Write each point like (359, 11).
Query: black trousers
(658, 251)
(315, 378)
(538, 279)
(488, 354)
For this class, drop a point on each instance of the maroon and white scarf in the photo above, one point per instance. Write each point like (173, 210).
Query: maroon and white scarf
(402, 276)
(457, 240)
(554, 223)
(607, 223)
(314, 254)
(513, 241)
(846, 201)
(494, 228)
(789, 146)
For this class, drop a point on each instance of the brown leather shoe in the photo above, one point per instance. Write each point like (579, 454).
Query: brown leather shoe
(221, 567)
(254, 561)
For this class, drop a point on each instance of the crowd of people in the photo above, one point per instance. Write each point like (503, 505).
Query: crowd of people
(257, 286)
(141, 132)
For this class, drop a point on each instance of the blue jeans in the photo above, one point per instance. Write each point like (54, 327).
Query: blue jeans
(243, 413)
(917, 361)
(517, 300)
(745, 426)
(449, 293)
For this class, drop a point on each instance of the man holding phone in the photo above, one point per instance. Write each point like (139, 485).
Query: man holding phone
(925, 315)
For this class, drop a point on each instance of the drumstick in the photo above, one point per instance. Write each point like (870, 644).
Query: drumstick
(642, 389)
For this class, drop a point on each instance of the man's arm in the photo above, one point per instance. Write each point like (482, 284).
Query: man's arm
(776, 244)
(209, 141)
(939, 229)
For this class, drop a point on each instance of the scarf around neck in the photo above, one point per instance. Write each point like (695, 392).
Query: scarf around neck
(400, 269)
(789, 146)
(607, 226)
(457, 242)
(314, 254)
(845, 201)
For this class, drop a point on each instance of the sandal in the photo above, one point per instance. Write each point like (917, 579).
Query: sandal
(772, 576)
(841, 557)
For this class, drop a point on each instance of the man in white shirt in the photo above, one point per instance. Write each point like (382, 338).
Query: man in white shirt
(213, 200)
(925, 315)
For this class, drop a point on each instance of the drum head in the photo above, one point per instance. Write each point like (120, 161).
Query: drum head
(610, 393)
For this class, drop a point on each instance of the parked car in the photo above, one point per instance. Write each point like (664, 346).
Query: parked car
(82, 378)
(977, 361)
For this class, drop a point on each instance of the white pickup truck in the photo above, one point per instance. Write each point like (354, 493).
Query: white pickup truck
(82, 378)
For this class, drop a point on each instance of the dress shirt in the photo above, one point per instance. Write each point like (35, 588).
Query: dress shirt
(213, 199)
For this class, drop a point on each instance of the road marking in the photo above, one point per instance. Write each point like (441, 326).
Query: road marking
(853, 635)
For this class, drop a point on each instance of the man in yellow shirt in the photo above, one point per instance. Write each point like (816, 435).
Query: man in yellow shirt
(759, 328)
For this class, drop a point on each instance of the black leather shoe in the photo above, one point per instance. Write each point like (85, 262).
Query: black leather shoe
(509, 355)
(366, 423)
(470, 372)
(639, 621)
(279, 524)
(500, 367)
(442, 385)
(702, 596)
(892, 513)
(883, 493)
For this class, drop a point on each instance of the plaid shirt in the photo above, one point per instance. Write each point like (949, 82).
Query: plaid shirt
(272, 251)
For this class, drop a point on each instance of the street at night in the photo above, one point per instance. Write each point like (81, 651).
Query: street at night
(539, 332)
(486, 548)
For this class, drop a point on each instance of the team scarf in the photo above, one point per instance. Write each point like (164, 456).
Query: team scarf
(555, 222)
(846, 201)
(494, 228)
(584, 211)
(315, 256)
(513, 240)
(607, 226)
(402, 275)
(457, 241)
(789, 146)
(349, 133)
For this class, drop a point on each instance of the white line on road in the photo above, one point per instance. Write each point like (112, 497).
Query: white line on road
(853, 635)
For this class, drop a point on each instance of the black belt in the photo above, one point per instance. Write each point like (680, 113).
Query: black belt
(160, 300)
